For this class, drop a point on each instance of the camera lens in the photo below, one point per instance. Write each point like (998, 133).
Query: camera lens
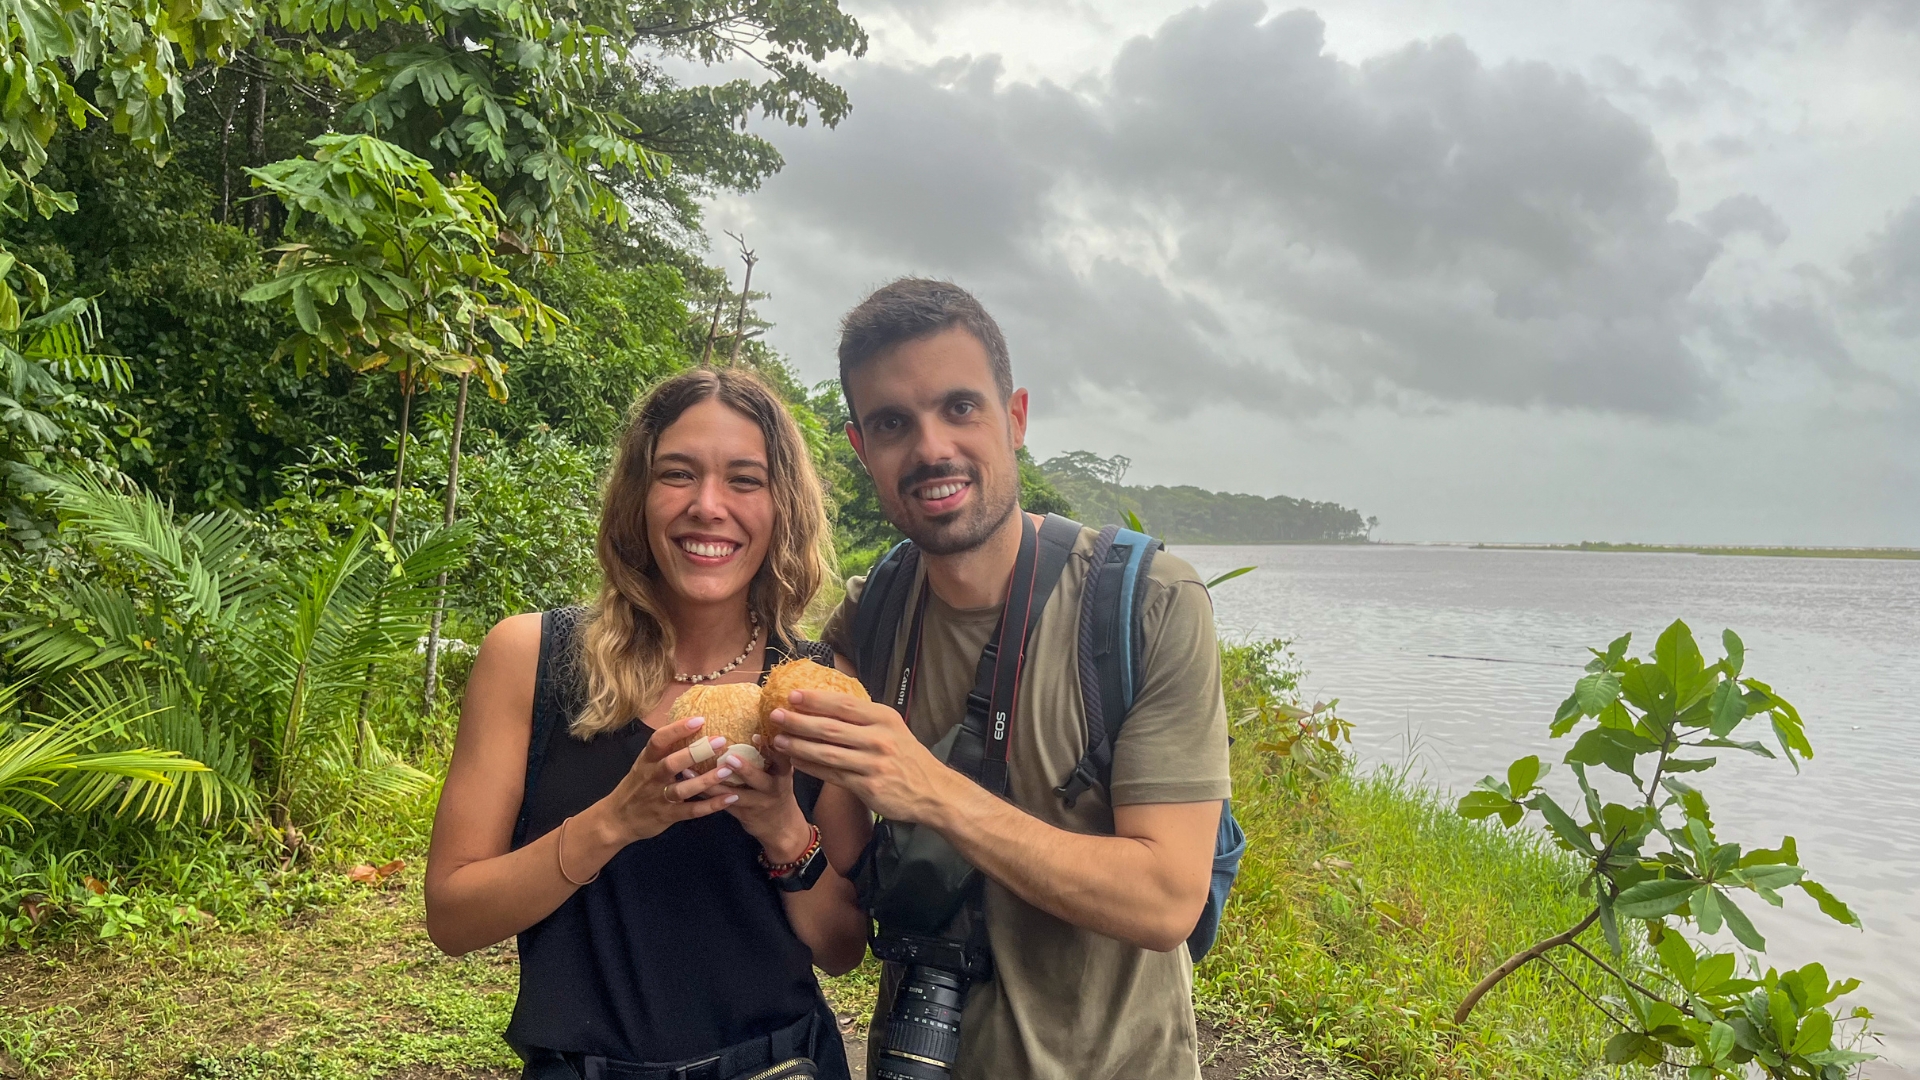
(923, 1029)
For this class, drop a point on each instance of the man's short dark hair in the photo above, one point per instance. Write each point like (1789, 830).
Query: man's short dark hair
(910, 309)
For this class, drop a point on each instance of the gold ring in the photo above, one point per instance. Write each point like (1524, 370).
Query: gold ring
(667, 793)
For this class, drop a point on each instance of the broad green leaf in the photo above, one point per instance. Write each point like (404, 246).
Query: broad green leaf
(1562, 824)
(1788, 852)
(1566, 717)
(1627, 1047)
(1479, 804)
(1731, 744)
(1679, 659)
(1683, 765)
(1830, 905)
(1712, 972)
(1719, 1041)
(1705, 904)
(1736, 653)
(1737, 921)
(1841, 1058)
(1728, 710)
(1677, 956)
(1611, 747)
(1815, 1034)
(1597, 691)
(1522, 774)
(1655, 899)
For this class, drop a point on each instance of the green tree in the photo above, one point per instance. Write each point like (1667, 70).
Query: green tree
(1657, 856)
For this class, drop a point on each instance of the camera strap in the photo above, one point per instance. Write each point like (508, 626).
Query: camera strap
(981, 747)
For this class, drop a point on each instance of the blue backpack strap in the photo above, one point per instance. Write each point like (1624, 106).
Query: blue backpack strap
(1110, 652)
(883, 603)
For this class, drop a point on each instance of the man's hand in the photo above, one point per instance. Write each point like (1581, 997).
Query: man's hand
(867, 749)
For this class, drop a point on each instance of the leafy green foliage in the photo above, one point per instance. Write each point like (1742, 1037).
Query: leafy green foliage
(1657, 856)
(400, 270)
(1192, 516)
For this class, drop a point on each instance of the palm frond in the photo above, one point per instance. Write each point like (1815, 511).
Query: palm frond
(160, 715)
(54, 766)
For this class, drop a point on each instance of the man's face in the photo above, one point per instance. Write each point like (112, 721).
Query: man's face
(938, 441)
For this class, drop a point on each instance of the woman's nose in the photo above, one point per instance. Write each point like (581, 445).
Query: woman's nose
(709, 503)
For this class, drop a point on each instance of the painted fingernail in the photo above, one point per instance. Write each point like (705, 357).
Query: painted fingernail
(730, 800)
(782, 741)
(733, 761)
(794, 697)
(723, 773)
(695, 723)
(778, 716)
(718, 743)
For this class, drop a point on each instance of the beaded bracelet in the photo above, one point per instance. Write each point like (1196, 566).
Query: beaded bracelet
(777, 870)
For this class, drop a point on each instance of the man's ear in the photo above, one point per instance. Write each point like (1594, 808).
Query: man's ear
(859, 447)
(1017, 417)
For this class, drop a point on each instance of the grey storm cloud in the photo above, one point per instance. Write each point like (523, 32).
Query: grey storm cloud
(1737, 214)
(1886, 276)
(1229, 211)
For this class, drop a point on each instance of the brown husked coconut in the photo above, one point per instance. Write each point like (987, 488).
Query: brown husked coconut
(732, 711)
(793, 675)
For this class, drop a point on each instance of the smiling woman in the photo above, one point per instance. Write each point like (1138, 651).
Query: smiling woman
(576, 814)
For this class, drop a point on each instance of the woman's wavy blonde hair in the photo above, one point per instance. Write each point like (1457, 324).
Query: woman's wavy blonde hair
(627, 644)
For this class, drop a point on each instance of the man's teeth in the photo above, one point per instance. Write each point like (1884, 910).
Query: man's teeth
(712, 551)
(940, 491)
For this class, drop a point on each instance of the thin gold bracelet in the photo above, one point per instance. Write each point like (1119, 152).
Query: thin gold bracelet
(560, 856)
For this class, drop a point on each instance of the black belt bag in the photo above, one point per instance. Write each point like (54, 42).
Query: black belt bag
(785, 1054)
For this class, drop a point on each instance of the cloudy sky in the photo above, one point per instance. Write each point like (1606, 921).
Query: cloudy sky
(1500, 269)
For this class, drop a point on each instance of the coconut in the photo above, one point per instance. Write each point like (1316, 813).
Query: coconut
(793, 675)
(732, 711)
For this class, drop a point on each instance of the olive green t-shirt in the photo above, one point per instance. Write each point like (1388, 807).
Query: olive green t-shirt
(1067, 1003)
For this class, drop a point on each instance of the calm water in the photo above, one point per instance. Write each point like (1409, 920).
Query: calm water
(1453, 660)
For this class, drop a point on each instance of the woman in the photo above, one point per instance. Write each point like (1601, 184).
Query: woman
(652, 933)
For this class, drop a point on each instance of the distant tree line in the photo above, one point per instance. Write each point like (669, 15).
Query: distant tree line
(1190, 515)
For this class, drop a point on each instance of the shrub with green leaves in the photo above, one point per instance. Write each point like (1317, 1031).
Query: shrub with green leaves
(1656, 859)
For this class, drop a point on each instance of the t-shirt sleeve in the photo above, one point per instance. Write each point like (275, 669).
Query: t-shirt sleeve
(838, 631)
(1173, 746)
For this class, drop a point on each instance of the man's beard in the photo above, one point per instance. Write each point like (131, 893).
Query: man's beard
(964, 529)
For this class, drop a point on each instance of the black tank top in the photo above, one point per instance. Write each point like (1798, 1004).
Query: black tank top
(681, 946)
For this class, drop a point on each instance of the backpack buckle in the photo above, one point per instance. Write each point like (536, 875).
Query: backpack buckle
(1077, 785)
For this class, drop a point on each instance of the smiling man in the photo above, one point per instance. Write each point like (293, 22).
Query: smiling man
(1087, 903)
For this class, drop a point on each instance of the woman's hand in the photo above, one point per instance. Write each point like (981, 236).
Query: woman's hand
(652, 796)
(765, 805)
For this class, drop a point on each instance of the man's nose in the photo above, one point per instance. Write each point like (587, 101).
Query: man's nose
(934, 446)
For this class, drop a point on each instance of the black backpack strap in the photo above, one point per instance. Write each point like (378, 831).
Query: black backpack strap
(883, 603)
(556, 699)
(1112, 650)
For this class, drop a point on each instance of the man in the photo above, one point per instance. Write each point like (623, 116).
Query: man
(1087, 908)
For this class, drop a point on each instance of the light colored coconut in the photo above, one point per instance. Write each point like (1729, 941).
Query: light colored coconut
(732, 711)
(793, 675)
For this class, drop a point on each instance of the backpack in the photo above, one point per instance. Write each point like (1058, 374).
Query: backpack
(1111, 654)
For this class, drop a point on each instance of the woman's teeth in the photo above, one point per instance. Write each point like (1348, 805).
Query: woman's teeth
(940, 491)
(710, 550)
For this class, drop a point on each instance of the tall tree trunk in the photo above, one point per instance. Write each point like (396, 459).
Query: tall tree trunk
(719, 304)
(257, 138)
(361, 732)
(740, 316)
(440, 586)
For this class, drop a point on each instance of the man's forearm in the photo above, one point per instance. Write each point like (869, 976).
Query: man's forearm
(1125, 887)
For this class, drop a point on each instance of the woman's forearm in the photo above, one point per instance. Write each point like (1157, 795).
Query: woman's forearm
(829, 922)
(488, 901)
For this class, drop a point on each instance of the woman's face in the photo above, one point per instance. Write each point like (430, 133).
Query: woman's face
(709, 508)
